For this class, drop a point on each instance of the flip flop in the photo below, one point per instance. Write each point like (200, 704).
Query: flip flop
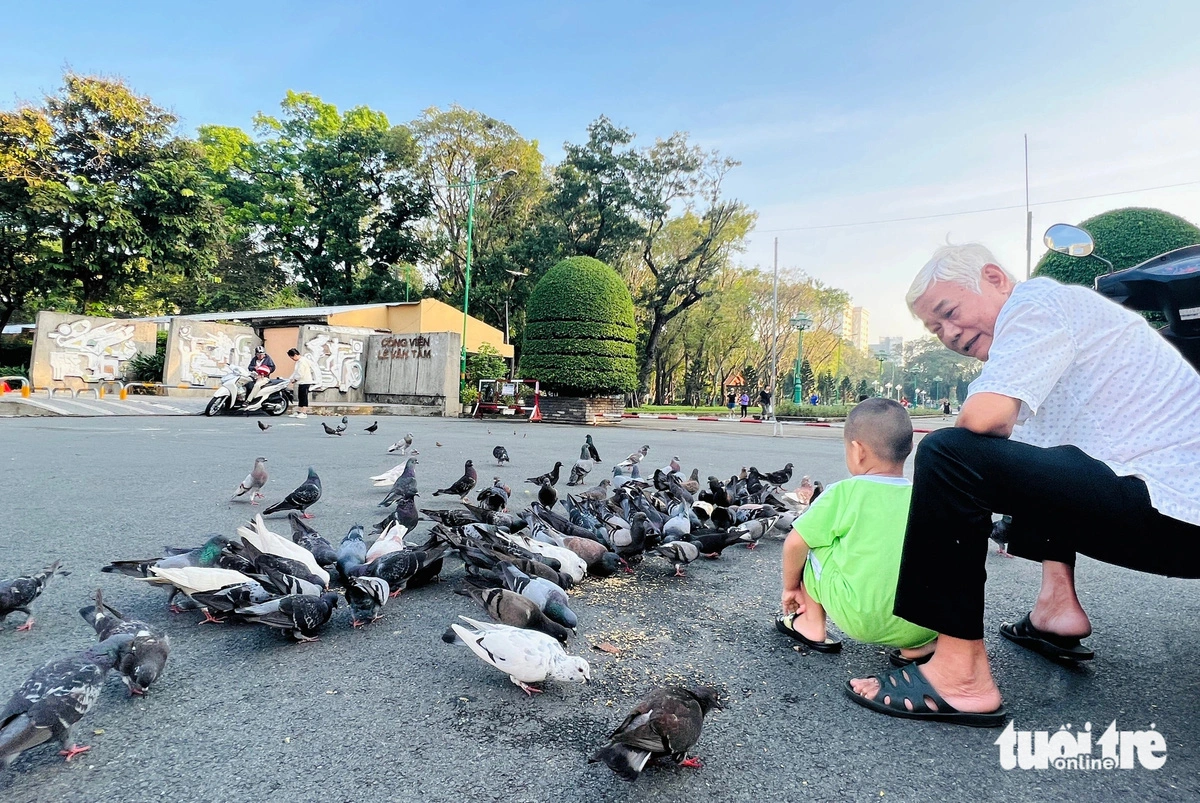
(907, 683)
(898, 660)
(1055, 647)
(828, 645)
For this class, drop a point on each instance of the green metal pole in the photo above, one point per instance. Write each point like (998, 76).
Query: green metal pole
(798, 387)
(462, 368)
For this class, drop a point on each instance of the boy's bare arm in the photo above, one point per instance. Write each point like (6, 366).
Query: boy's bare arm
(795, 552)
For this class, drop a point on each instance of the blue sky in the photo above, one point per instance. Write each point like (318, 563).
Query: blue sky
(839, 112)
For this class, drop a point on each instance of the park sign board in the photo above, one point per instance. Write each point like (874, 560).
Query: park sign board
(405, 347)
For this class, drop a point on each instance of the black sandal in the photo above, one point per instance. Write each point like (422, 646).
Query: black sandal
(898, 660)
(908, 684)
(1052, 646)
(828, 645)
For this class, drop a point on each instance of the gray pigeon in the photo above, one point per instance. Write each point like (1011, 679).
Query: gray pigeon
(55, 697)
(351, 552)
(323, 551)
(666, 722)
(19, 594)
(402, 446)
(254, 482)
(330, 430)
(513, 609)
(300, 499)
(298, 615)
(142, 662)
(550, 476)
(405, 484)
(581, 468)
(591, 449)
(366, 595)
(501, 455)
(678, 552)
(549, 597)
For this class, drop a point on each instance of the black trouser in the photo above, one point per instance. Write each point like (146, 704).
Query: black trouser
(303, 394)
(1061, 501)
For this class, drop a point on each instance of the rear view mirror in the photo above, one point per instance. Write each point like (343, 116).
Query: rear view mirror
(1070, 240)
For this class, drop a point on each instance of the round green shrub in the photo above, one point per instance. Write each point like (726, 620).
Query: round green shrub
(1125, 237)
(579, 331)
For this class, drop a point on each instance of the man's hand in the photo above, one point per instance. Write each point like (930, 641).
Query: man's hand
(793, 601)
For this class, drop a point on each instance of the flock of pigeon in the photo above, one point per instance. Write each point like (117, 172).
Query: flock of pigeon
(518, 568)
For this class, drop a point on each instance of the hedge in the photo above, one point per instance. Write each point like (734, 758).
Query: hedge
(1125, 237)
(580, 331)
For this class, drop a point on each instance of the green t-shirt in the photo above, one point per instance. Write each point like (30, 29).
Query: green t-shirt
(855, 533)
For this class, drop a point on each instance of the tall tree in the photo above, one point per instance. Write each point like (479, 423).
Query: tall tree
(120, 201)
(680, 252)
(333, 196)
(456, 147)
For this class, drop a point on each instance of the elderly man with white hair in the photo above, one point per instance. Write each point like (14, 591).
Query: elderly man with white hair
(1048, 436)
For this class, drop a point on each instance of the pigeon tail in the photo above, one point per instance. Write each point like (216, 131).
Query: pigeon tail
(627, 762)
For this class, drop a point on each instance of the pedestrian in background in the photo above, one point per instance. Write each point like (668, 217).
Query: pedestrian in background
(745, 402)
(303, 377)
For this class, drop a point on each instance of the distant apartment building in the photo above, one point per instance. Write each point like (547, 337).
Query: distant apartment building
(860, 329)
(890, 348)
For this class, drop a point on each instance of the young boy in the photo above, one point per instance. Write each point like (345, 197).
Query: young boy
(843, 557)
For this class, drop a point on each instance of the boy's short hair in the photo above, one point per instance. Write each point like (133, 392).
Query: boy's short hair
(883, 426)
(293, 352)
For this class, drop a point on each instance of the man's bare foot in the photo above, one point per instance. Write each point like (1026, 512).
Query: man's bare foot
(1057, 609)
(958, 671)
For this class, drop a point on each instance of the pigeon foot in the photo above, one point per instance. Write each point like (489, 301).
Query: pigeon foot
(394, 594)
(1000, 551)
(529, 690)
(679, 572)
(25, 628)
(693, 763)
(307, 515)
(73, 751)
(137, 691)
(752, 545)
(357, 623)
(208, 617)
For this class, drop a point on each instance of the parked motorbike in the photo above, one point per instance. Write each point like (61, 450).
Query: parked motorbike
(1168, 284)
(237, 394)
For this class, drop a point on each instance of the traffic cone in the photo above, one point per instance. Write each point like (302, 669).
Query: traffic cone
(536, 416)
(4, 388)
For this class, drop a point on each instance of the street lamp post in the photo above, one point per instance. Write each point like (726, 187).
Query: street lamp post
(471, 184)
(800, 322)
(937, 385)
(879, 383)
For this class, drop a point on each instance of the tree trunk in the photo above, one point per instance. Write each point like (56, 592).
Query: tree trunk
(650, 355)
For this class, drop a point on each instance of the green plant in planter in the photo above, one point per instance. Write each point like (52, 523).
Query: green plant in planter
(580, 332)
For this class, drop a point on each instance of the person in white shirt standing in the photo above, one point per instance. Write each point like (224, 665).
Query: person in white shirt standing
(1046, 435)
(303, 377)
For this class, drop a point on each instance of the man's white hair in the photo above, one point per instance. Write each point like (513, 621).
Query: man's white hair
(960, 264)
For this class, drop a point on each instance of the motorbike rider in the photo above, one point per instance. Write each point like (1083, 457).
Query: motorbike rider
(261, 367)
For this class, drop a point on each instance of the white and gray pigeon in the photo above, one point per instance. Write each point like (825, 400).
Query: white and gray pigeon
(635, 458)
(553, 601)
(19, 594)
(146, 656)
(501, 455)
(254, 482)
(386, 479)
(678, 552)
(581, 468)
(526, 656)
(402, 446)
(300, 499)
(405, 485)
(55, 697)
(365, 596)
(298, 615)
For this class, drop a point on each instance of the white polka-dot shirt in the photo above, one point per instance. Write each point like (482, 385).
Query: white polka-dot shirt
(1092, 374)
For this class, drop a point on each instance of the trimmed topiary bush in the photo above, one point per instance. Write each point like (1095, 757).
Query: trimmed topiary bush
(579, 331)
(1125, 237)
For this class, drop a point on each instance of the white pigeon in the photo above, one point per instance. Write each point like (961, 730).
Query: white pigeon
(193, 579)
(402, 446)
(390, 540)
(571, 564)
(674, 467)
(526, 656)
(388, 478)
(262, 539)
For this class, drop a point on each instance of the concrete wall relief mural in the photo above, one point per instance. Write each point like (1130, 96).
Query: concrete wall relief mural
(90, 350)
(340, 354)
(199, 353)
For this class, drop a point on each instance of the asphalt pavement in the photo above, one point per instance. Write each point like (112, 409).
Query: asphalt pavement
(392, 713)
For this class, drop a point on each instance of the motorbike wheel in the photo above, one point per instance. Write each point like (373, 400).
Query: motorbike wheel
(277, 407)
(215, 406)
